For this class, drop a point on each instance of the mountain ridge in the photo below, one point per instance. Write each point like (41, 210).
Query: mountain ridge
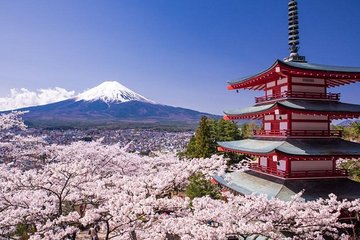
(111, 104)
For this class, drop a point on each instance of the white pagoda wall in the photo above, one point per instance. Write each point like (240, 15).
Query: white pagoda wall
(310, 126)
(296, 116)
(311, 165)
(276, 87)
(282, 81)
(271, 84)
(304, 122)
(308, 85)
(281, 119)
(298, 84)
(311, 89)
(309, 81)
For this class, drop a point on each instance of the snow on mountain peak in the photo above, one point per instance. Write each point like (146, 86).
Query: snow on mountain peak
(111, 91)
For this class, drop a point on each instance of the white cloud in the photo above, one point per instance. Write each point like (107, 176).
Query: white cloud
(24, 98)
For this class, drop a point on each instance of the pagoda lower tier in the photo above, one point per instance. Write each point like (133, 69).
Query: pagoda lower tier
(251, 182)
(295, 158)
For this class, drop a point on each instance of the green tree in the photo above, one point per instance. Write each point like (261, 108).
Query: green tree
(203, 139)
(247, 129)
(204, 143)
(226, 131)
(24, 230)
(353, 168)
(351, 132)
(355, 130)
(199, 186)
(190, 151)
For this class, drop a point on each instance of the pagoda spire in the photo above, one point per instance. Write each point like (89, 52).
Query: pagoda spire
(293, 33)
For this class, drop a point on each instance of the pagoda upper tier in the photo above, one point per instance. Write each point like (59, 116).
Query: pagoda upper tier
(330, 76)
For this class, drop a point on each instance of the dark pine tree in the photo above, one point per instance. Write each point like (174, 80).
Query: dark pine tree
(203, 139)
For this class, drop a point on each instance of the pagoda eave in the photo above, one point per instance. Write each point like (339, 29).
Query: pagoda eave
(335, 110)
(294, 148)
(332, 115)
(256, 82)
(249, 153)
(334, 76)
(317, 70)
(289, 156)
(250, 182)
(245, 116)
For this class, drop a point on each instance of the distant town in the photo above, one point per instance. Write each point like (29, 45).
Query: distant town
(136, 140)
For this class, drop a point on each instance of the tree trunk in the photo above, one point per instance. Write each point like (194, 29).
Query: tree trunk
(107, 230)
(133, 235)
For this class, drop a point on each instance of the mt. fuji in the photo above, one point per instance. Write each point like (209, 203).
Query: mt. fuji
(111, 105)
(111, 92)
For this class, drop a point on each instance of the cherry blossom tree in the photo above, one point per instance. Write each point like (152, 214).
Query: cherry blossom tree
(77, 186)
(16, 145)
(12, 120)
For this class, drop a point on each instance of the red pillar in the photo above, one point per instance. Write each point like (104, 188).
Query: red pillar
(288, 166)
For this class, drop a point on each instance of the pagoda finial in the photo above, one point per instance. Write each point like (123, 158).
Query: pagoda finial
(294, 33)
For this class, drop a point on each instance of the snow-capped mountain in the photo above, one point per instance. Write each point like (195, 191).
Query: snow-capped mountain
(111, 91)
(111, 104)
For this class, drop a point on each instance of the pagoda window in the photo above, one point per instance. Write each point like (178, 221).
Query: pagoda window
(282, 81)
(281, 165)
(283, 126)
(281, 117)
(267, 126)
(263, 161)
(269, 92)
(269, 117)
(284, 89)
(270, 84)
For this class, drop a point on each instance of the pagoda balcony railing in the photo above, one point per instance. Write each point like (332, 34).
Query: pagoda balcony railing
(299, 174)
(297, 133)
(257, 167)
(293, 94)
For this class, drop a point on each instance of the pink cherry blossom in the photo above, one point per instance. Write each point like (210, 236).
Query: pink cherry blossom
(84, 184)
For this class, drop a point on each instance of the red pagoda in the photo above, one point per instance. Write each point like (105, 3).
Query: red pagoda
(295, 148)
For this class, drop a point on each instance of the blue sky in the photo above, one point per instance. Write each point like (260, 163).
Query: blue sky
(178, 53)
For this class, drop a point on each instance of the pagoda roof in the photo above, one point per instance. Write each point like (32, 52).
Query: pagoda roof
(337, 109)
(334, 75)
(249, 182)
(321, 67)
(297, 147)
